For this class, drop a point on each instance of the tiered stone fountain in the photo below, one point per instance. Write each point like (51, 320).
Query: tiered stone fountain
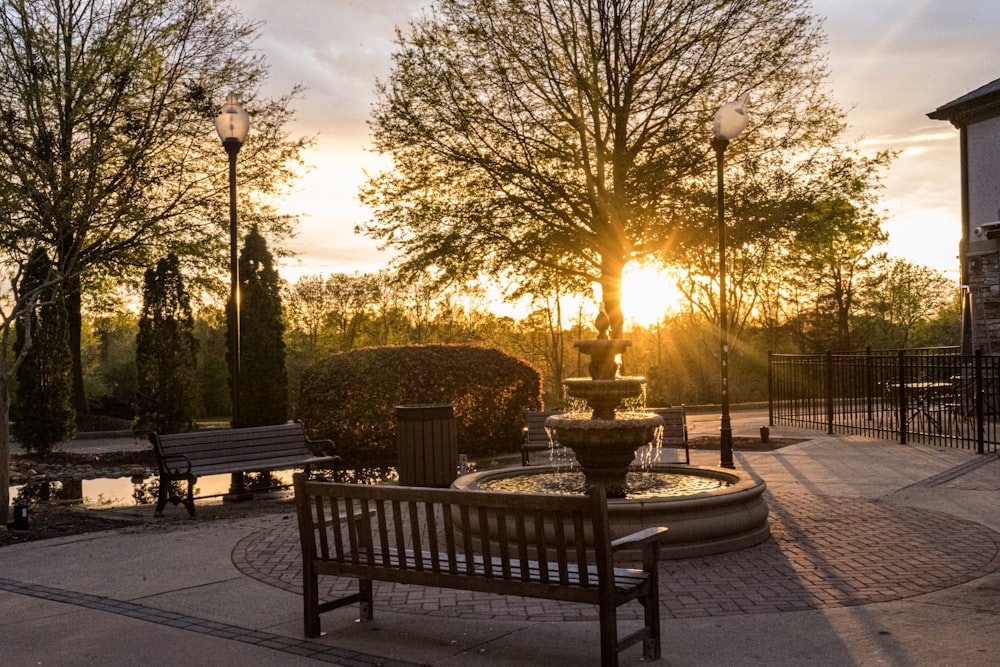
(604, 442)
(730, 516)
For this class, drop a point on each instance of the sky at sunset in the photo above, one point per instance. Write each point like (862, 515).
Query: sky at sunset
(891, 62)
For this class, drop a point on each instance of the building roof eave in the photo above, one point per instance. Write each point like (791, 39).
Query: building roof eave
(980, 104)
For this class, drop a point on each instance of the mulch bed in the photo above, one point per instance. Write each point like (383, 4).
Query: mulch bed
(743, 444)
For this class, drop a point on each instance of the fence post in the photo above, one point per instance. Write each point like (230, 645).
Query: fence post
(980, 407)
(829, 392)
(770, 387)
(869, 384)
(901, 395)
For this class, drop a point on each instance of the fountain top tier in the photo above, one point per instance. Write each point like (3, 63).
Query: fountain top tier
(603, 390)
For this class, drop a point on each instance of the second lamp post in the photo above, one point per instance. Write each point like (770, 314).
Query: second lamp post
(730, 120)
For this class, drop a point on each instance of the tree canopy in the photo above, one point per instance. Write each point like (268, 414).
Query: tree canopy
(107, 140)
(533, 138)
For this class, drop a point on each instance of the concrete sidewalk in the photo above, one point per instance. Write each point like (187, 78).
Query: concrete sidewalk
(882, 554)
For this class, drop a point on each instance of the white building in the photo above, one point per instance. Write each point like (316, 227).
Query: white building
(977, 117)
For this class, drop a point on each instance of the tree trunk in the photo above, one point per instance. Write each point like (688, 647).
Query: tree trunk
(611, 294)
(4, 450)
(74, 311)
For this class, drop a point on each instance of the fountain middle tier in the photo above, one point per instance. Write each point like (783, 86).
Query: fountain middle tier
(605, 448)
(604, 396)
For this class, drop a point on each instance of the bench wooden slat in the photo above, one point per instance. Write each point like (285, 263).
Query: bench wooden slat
(534, 545)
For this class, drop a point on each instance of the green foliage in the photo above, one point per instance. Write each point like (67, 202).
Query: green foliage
(350, 397)
(106, 137)
(114, 388)
(263, 378)
(532, 138)
(166, 353)
(42, 413)
(213, 372)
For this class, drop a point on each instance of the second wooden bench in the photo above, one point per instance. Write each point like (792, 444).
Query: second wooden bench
(188, 456)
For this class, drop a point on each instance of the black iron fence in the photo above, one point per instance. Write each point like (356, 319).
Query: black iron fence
(936, 396)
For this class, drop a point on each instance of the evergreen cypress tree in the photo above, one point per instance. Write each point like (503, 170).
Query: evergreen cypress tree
(263, 376)
(166, 353)
(42, 410)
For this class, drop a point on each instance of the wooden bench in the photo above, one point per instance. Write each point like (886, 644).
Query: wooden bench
(536, 438)
(552, 547)
(675, 430)
(188, 456)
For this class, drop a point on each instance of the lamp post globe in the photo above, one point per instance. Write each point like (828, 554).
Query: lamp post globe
(233, 124)
(730, 120)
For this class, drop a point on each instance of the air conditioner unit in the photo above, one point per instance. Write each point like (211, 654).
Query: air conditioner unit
(988, 230)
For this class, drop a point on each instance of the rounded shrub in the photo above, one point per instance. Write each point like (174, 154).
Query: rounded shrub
(351, 397)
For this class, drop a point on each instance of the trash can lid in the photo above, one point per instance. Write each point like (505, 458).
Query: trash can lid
(426, 410)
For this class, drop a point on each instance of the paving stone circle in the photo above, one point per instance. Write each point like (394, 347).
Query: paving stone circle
(825, 551)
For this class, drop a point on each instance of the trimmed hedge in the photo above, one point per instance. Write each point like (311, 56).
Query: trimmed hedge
(351, 397)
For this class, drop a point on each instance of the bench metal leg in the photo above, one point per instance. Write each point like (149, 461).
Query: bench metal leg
(162, 497)
(189, 501)
(165, 494)
(367, 602)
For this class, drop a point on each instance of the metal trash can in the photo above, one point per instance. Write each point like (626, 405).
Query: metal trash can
(427, 439)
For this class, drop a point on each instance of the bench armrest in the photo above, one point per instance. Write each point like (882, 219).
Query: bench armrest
(640, 539)
(168, 460)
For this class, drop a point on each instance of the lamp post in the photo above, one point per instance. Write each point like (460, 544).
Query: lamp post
(233, 124)
(730, 120)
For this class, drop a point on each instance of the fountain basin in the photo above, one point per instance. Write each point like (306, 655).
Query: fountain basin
(718, 521)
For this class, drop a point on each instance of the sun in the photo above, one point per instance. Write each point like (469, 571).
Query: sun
(648, 293)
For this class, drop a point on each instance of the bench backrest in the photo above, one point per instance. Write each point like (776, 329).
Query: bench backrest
(455, 533)
(228, 445)
(534, 425)
(674, 424)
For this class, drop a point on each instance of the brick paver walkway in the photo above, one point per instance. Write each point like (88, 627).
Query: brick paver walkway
(825, 551)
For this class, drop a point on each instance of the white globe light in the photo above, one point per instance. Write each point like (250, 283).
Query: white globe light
(731, 119)
(233, 122)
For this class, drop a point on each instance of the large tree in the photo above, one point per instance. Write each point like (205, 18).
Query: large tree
(572, 136)
(107, 141)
